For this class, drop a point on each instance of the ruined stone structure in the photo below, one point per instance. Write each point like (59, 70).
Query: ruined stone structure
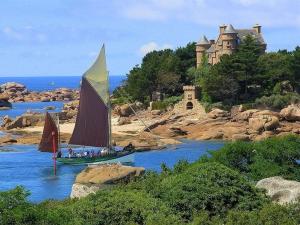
(226, 43)
(190, 102)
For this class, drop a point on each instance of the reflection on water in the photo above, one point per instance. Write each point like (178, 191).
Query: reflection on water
(34, 170)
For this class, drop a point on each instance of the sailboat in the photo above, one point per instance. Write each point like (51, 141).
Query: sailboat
(93, 122)
(50, 138)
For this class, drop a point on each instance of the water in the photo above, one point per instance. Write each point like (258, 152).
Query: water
(47, 83)
(21, 107)
(43, 84)
(24, 165)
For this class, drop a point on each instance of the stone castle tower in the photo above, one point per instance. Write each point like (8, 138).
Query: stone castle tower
(226, 43)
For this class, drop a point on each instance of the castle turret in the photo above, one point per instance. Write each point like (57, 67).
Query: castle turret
(201, 48)
(229, 40)
(257, 28)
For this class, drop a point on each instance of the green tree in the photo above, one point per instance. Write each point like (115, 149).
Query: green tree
(244, 63)
(275, 68)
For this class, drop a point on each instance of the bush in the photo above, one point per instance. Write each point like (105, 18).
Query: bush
(257, 160)
(163, 105)
(277, 101)
(192, 188)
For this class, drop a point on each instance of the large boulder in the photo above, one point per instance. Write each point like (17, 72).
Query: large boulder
(217, 113)
(25, 120)
(291, 113)
(246, 115)
(263, 123)
(280, 190)
(124, 121)
(128, 109)
(13, 87)
(99, 177)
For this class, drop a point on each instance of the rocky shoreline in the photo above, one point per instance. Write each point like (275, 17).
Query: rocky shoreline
(165, 128)
(12, 92)
(149, 129)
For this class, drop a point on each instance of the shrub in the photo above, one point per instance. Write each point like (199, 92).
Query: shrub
(277, 101)
(163, 105)
(272, 157)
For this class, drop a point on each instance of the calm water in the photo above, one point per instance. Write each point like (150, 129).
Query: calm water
(46, 83)
(21, 107)
(32, 169)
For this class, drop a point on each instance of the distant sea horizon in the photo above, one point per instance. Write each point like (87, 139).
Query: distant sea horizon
(48, 83)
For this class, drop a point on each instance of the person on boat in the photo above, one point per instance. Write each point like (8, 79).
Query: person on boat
(128, 147)
(59, 154)
(70, 150)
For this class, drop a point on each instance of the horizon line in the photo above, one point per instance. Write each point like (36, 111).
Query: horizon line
(8, 76)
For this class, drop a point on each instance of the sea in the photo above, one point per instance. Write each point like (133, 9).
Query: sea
(24, 165)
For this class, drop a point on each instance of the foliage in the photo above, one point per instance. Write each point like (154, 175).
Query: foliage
(163, 105)
(214, 190)
(258, 160)
(164, 71)
(277, 101)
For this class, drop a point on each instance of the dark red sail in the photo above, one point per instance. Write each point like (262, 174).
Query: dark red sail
(50, 131)
(92, 125)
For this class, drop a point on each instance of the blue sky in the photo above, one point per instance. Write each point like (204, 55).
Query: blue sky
(63, 37)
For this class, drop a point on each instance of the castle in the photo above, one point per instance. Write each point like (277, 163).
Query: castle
(226, 43)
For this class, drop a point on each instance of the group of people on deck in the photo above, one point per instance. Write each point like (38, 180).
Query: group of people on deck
(86, 154)
(92, 153)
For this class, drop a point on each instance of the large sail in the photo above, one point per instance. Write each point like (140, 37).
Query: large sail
(50, 130)
(92, 126)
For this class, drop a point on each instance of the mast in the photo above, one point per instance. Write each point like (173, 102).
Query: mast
(109, 114)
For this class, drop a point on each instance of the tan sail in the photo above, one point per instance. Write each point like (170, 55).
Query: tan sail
(92, 126)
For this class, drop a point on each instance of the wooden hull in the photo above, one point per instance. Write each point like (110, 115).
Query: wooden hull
(122, 157)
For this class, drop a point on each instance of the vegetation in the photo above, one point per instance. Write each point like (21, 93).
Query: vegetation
(247, 75)
(214, 190)
(163, 105)
(163, 71)
(242, 77)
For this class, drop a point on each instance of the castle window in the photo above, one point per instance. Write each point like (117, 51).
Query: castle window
(189, 97)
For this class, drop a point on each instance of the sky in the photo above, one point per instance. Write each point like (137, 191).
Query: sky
(63, 37)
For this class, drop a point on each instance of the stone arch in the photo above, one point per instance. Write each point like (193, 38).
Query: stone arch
(189, 105)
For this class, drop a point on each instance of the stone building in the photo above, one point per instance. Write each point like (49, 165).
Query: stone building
(190, 102)
(226, 43)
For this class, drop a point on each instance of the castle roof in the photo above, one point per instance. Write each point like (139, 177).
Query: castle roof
(211, 49)
(203, 41)
(243, 33)
(229, 30)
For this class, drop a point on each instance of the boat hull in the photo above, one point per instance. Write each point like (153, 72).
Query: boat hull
(120, 157)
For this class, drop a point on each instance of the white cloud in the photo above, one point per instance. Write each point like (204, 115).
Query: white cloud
(11, 33)
(26, 33)
(269, 13)
(151, 46)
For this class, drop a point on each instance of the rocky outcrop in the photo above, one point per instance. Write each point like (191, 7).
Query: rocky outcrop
(18, 93)
(99, 177)
(25, 120)
(128, 109)
(291, 113)
(217, 113)
(263, 123)
(280, 190)
(4, 102)
(123, 121)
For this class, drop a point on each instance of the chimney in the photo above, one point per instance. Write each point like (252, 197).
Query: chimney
(212, 42)
(257, 28)
(222, 28)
